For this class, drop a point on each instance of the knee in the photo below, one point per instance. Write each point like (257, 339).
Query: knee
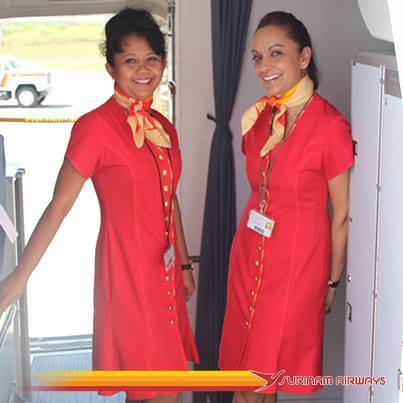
(251, 397)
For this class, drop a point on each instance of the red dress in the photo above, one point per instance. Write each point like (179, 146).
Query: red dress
(277, 286)
(140, 318)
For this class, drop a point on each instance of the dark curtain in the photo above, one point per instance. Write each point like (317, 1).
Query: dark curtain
(229, 29)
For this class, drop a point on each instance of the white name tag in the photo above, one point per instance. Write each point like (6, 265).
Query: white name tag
(260, 223)
(169, 258)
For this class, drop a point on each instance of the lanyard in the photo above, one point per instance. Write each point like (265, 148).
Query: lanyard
(263, 185)
(167, 222)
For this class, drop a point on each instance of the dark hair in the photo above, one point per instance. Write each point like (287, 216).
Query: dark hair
(297, 31)
(132, 21)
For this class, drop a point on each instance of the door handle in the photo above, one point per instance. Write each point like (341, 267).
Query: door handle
(349, 312)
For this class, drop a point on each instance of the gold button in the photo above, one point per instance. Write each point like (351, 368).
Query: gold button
(161, 157)
(247, 323)
(263, 174)
(167, 279)
(170, 307)
(164, 172)
(169, 293)
(252, 293)
(166, 204)
(251, 308)
(256, 263)
(166, 188)
(172, 322)
(259, 248)
(256, 278)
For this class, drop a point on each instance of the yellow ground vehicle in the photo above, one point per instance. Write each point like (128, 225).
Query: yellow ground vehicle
(27, 84)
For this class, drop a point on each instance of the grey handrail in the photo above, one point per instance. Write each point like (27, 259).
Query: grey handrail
(6, 319)
(23, 306)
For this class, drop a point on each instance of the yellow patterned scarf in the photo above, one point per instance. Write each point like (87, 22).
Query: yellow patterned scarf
(142, 123)
(297, 95)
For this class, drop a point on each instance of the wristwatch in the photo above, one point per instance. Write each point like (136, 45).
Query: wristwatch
(333, 284)
(188, 266)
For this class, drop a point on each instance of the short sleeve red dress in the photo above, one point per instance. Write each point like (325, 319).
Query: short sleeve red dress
(140, 318)
(277, 286)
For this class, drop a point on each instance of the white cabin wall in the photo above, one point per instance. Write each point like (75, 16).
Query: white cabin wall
(193, 64)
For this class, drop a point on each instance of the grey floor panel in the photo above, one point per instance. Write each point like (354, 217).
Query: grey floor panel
(67, 361)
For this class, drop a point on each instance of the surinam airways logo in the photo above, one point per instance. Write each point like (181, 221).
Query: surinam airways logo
(280, 378)
(271, 379)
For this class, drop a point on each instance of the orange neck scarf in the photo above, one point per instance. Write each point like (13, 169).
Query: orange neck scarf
(295, 96)
(140, 120)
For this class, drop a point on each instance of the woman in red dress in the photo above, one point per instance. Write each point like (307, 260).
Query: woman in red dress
(131, 153)
(288, 252)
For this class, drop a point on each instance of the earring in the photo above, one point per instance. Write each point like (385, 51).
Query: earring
(304, 72)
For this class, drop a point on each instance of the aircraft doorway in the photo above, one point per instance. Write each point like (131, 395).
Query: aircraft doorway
(65, 49)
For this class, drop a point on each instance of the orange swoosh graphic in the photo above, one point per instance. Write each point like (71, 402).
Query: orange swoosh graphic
(148, 380)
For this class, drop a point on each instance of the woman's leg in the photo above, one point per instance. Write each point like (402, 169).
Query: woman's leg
(163, 399)
(158, 399)
(272, 398)
(251, 397)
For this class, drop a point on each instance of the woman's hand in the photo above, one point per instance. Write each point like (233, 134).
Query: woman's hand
(330, 296)
(189, 283)
(11, 289)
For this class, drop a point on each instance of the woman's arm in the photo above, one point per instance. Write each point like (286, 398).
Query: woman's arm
(183, 252)
(68, 186)
(338, 191)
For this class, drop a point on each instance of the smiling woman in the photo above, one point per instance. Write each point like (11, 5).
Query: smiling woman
(143, 274)
(286, 258)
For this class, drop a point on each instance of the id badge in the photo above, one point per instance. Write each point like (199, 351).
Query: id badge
(261, 223)
(169, 258)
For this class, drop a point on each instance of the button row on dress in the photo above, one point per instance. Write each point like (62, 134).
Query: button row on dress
(256, 278)
(165, 187)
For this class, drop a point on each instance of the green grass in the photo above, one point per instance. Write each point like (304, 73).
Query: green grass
(35, 33)
(55, 45)
(69, 56)
(60, 44)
